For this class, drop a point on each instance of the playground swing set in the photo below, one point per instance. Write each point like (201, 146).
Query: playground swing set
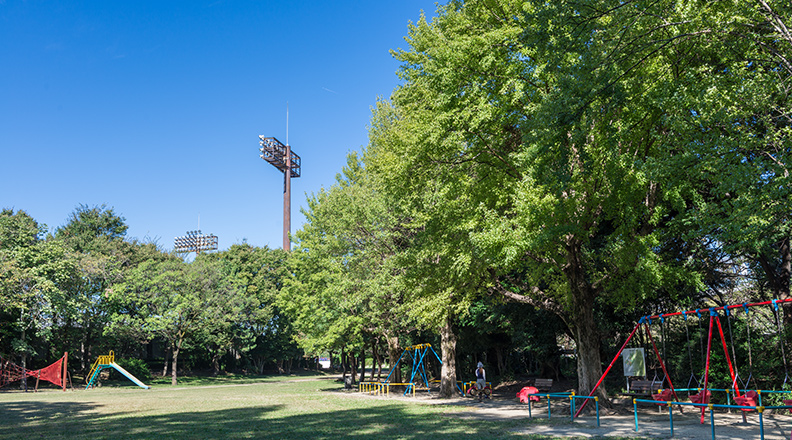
(746, 400)
(58, 374)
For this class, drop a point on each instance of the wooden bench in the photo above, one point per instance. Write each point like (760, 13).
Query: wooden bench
(543, 384)
(644, 387)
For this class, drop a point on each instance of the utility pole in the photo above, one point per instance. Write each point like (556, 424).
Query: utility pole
(284, 159)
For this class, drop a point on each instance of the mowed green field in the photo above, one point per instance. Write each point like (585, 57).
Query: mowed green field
(279, 408)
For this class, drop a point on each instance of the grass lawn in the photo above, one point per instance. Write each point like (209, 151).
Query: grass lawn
(276, 408)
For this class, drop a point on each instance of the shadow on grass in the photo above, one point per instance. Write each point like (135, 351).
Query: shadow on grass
(78, 420)
(232, 378)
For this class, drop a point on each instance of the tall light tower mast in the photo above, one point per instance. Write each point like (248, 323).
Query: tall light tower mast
(284, 159)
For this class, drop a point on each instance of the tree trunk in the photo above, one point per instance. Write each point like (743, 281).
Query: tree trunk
(352, 367)
(777, 273)
(499, 359)
(215, 361)
(343, 365)
(82, 357)
(394, 352)
(589, 365)
(586, 332)
(23, 355)
(363, 364)
(258, 364)
(376, 359)
(785, 273)
(165, 364)
(23, 383)
(174, 364)
(448, 377)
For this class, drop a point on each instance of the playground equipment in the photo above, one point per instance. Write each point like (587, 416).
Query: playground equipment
(108, 361)
(418, 355)
(55, 373)
(751, 400)
(711, 406)
(469, 388)
(531, 395)
(714, 321)
(383, 388)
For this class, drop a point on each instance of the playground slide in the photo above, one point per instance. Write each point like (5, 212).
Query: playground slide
(134, 379)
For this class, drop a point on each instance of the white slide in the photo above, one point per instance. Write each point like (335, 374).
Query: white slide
(129, 376)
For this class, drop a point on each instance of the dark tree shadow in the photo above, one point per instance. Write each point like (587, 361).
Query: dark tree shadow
(40, 420)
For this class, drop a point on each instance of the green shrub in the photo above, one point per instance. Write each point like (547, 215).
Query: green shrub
(135, 367)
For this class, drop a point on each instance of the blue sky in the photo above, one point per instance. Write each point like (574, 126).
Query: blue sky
(154, 107)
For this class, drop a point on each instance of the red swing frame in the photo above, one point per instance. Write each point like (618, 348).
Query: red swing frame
(646, 320)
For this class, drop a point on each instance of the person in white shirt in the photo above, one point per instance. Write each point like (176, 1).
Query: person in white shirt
(481, 380)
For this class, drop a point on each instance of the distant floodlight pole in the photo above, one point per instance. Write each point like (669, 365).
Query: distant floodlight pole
(196, 242)
(283, 158)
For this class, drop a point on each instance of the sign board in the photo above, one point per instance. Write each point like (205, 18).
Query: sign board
(324, 362)
(634, 362)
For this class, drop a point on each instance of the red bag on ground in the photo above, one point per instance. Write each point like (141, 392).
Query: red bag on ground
(523, 395)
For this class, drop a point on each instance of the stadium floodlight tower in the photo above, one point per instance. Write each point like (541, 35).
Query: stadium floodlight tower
(196, 242)
(283, 158)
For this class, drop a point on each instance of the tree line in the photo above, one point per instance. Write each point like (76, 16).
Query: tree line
(596, 160)
(545, 174)
(87, 289)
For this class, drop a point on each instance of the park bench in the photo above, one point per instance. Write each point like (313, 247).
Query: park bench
(543, 384)
(644, 387)
(652, 388)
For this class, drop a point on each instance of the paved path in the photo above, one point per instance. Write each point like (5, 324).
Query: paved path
(651, 422)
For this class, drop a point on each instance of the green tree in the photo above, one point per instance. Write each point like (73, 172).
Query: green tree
(527, 136)
(32, 275)
(90, 228)
(264, 334)
(436, 200)
(178, 301)
(95, 238)
(17, 231)
(736, 183)
(345, 294)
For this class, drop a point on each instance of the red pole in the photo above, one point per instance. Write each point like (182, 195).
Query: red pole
(728, 359)
(662, 364)
(65, 366)
(607, 370)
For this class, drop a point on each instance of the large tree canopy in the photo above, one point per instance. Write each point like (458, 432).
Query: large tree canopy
(533, 141)
(346, 294)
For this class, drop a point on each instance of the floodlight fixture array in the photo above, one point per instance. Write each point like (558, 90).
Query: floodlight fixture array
(280, 156)
(196, 242)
